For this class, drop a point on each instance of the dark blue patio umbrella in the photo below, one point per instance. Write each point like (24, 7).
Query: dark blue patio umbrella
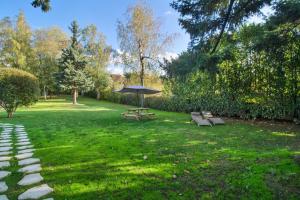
(138, 89)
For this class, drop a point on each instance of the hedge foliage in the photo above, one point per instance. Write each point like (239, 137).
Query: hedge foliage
(17, 88)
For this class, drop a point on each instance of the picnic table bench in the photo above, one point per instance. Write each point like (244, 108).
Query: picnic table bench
(138, 114)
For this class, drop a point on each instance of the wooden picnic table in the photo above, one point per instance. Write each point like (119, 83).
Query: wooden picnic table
(138, 114)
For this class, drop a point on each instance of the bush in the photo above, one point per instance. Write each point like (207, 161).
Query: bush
(17, 88)
(221, 105)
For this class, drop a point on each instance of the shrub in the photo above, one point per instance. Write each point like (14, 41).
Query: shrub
(17, 88)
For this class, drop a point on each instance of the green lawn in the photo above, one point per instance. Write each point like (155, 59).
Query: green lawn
(89, 152)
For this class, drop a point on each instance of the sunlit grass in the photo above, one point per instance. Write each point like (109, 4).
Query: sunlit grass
(89, 152)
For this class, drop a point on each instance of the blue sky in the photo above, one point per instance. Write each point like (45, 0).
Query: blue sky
(102, 13)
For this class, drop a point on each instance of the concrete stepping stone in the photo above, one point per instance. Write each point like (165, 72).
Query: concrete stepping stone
(5, 141)
(4, 164)
(5, 153)
(23, 156)
(3, 186)
(21, 135)
(46, 199)
(25, 147)
(28, 161)
(5, 148)
(26, 151)
(5, 144)
(31, 169)
(31, 179)
(5, 158)
(3, 197)
(4, 174)
(36, 192)
(23, 143)
(5, 137)
(23, 140)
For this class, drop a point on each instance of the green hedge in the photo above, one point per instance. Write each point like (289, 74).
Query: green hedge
(218, 105)
(17, 88)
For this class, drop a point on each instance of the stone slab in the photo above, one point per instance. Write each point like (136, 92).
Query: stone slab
(26, 151)
(4, 164)
(5, 148)
(5, 158)
(36, 192)
(5, 153)
(23, 143)
(3, 186)
(23, 140)
(31, 179)
(4, 174)
(5, 141)
(22, 137)
(31, 169)
(3, 197)
(28, 161)
(25, 147)
(23, 156)
(5, 144)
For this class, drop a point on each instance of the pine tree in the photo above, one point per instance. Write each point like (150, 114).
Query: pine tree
(73, 75)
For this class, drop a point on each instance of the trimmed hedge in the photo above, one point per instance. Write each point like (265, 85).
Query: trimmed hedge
(218, 105)
(17, 88)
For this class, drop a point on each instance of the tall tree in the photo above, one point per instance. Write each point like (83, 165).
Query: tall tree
(48, 44)
(98, 57)
(43, 4)
(73, 74)
(141, 40)
(16, 49)
(206, 19)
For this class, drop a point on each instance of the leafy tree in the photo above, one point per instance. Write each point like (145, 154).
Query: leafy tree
(98, 54)
(16, 48)
(141, 41)
(254, 73)
(73, 74)
(47, 45)
(44, 4)
(206, 19)
(17, 88)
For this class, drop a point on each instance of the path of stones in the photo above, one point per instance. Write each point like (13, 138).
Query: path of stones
(29, 166)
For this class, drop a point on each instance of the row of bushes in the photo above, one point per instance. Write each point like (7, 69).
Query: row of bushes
(216, 104)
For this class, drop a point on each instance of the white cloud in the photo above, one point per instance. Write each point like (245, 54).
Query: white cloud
(168, 12)
(168, 56)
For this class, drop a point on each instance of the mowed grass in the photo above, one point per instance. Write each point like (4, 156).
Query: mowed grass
(89, 152)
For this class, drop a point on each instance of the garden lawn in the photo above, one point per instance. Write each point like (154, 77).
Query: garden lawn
(89, 152)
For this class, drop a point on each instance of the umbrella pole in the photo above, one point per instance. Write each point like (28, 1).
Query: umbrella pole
(142, 100)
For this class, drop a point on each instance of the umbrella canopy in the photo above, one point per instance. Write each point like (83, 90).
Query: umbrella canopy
(138, 90)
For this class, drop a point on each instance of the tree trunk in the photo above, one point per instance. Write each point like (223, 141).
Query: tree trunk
(75, 95)
(45, 92)
(98, 95)
(10, 114)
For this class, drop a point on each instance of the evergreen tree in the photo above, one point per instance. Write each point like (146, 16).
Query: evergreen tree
(73, 74)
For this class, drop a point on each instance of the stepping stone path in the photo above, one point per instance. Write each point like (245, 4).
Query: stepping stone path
(3, 197)
(4, 164)
(29, 166)
(24, 155)
(3, 186)
(5, 153)
(31, 179)
(31, 169)
(36, 192)
(4, 174)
